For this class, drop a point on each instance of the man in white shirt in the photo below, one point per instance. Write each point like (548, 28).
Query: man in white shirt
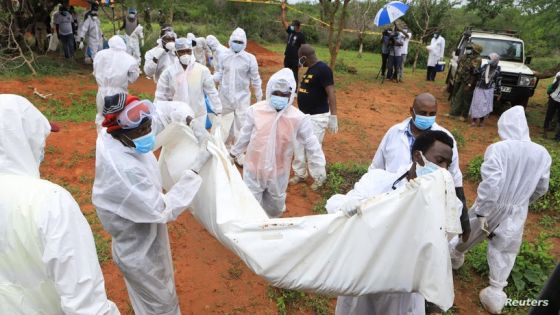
(394, 151)
(435, 54)
(404, 51)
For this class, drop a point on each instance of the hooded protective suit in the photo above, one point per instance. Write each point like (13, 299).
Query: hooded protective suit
(189, 86)
(128, 196)
(216, 49)
(133, 44)
(201, 50)
(164, 59)
(515, 172)
(269, 135)
(92, 29)
(113, 69)
(48, 262)
(235, 73)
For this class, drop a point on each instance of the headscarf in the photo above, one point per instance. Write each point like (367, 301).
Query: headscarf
(114, 105)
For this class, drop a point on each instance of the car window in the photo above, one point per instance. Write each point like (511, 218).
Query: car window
(507, 49)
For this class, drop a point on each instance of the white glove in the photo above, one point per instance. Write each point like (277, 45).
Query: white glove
(158, 51)
(483, 225)
(81, 46)
(350, 207)
(201, 160)
(200, 133)
(259, 95)
(333, 124)
(49, 36)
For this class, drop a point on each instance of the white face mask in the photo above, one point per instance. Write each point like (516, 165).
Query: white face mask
(170, 46)
(185, 59)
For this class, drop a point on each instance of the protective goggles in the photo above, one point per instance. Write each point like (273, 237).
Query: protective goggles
(134, 113)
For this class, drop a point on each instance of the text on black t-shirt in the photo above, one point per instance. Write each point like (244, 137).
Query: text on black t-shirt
(312, 96)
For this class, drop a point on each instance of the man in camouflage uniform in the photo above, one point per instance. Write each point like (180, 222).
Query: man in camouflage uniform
(465, 80)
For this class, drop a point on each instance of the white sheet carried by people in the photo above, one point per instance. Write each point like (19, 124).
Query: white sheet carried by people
(398, 243)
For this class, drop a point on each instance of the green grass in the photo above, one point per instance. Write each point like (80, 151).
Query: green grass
(82, 108)
(102, 244)
(292, 301)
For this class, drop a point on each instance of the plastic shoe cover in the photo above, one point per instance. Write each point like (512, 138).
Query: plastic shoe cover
(457, 258)
(493, 299)
(296, 180)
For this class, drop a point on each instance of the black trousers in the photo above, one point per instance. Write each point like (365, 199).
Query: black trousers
(551, 110)
(431, 74)
(294, 66)
(68, 44)
(384, 63)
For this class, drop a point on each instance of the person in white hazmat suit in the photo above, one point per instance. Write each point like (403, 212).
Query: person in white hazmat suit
(188, 81)
(92, 29)
(160, 57)
(47, 253)
(515, 173)
(135, 41)
(201, 51)
(237, 70)
(127, 194)
(268, 135)
(394, 152)
(431, 150)
(114, 69)
(217, 51)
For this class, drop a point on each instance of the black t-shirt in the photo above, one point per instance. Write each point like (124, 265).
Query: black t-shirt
(295, 39)
(312, 96)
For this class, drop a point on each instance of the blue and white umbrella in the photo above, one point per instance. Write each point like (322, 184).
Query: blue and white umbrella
(390, 13)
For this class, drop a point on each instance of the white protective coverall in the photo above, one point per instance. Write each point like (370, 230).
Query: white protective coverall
(377, 182)
(134, 41)
(113, 69)
(201, 50)
(164, 59)
(216, 49)
(128, 196)
(268, 136)
(235, 73)
(48, 262)
(92, 29)
(515, 172)
(436, 50)
(189, 86)
(393, 153)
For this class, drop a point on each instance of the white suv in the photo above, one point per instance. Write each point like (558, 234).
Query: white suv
(518, 80)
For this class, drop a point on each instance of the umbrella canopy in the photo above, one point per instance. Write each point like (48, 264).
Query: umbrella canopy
(389, 13)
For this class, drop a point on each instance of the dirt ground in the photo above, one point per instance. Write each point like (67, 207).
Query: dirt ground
(209, 278)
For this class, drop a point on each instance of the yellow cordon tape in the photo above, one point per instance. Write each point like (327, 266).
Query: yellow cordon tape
(325, 24)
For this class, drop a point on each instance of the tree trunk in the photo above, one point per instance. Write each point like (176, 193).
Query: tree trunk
(341, 23)
(147, 19)
(169, 19)
(361, 44)
(424, 32)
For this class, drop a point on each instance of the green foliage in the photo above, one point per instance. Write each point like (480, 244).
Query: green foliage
(288, 301)
(340, 179)
(44, 65)
(473, 168)
(532, 267)
(459, 138)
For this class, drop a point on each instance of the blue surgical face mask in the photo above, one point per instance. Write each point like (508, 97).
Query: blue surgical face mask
(423, 122)
(279, 102)
(145, 143)
(428, 167)
(236, 47)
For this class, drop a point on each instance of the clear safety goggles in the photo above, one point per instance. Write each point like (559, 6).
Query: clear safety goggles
(133, 114)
